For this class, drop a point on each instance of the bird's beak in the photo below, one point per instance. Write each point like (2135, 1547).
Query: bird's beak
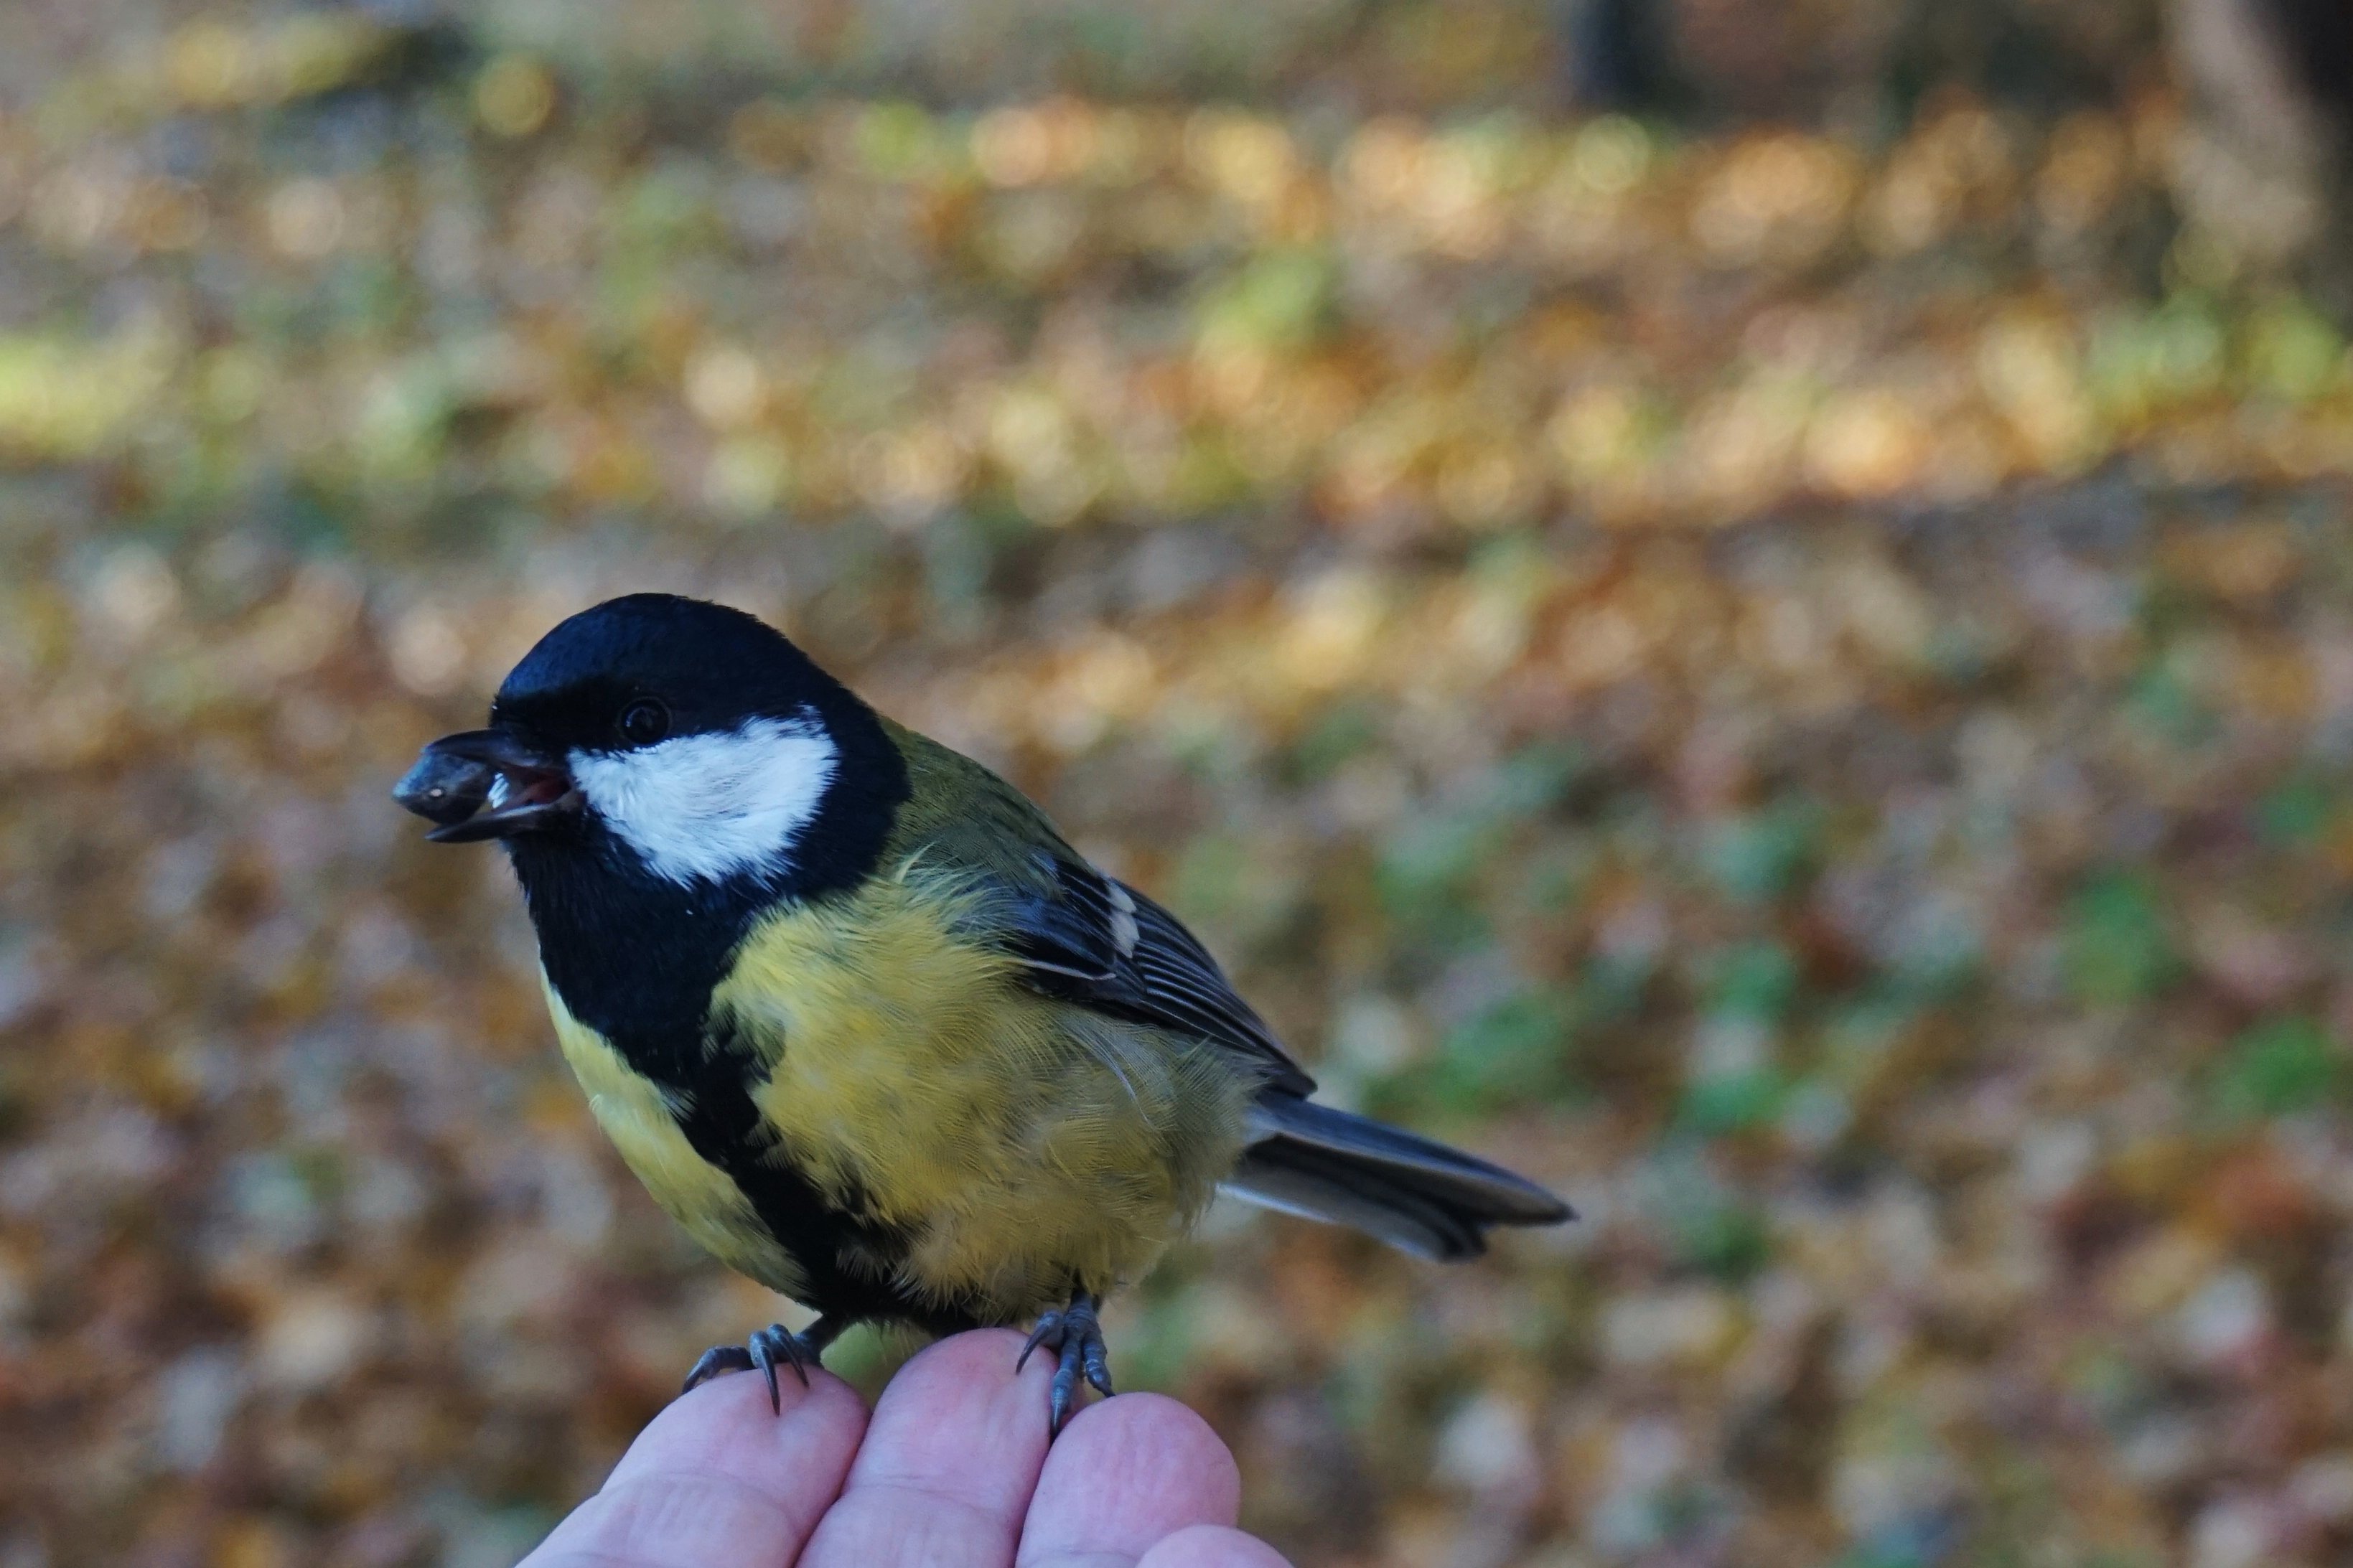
(486, 783)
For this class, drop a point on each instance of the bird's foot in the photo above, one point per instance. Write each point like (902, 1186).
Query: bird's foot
(1075, 1336)
(764, 1351)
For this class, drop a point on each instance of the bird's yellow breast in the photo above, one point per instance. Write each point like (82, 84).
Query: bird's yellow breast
(1024, 1144)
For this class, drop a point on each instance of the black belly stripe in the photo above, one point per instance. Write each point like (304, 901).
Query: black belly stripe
(722, 1124)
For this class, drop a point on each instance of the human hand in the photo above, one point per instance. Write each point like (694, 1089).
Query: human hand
(953, 1470)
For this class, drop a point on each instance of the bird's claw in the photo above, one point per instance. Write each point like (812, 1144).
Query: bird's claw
(1075, 1336)
(762, 1351)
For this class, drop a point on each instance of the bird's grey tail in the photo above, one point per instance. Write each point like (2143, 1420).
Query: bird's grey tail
(1422, 1197)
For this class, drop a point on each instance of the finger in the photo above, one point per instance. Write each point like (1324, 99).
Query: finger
(950, 1459)
(718, 1478)
(1122, 1475)
(1212, 1546)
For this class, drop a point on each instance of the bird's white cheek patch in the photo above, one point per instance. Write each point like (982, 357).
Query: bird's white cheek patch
(702, 808)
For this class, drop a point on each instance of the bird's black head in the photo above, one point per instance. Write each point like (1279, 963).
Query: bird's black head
(634, 672)
(675, 739)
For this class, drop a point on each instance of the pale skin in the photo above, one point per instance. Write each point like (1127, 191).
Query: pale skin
(952, 1469)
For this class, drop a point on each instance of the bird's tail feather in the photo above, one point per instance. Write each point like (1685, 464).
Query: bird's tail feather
(1422, 1197)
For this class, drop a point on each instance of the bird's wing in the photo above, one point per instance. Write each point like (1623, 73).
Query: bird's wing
(1091, 939)
(1080, 936)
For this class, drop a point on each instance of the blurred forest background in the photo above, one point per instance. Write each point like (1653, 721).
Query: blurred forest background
(1747, 606)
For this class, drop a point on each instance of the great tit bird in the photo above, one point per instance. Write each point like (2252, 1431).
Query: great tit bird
(866, 1024)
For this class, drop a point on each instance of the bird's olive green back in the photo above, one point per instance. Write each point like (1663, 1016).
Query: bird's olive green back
(961, 812)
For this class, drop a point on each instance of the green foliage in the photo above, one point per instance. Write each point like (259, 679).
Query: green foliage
(2279, 1068)
(1728, 1242)
(1534, 777)
(865, 1356)
(1759, 856)
(1431, 875)
(1756, 981)
(1342, 732)
(1733, 1102)
(1515, 1051)
(1554, 876)
(1284, 299)
(14, 1104)
(1884, 1555)
(899, 139)
(1427, 875)
(1230, 881)
(2298, 811)
(2139, 359)
(1610, 986)
(1160, 1339)
(2116, 946)
(2166, 701)
(2293, 352)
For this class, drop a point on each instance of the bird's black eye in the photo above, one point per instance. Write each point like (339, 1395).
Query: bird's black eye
(644, 722)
